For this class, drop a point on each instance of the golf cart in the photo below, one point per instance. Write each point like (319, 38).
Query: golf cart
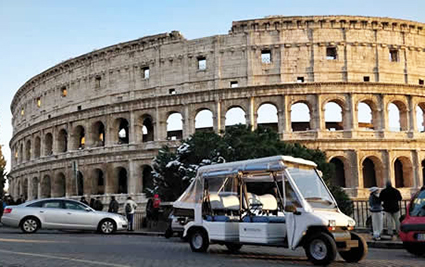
(274, 201)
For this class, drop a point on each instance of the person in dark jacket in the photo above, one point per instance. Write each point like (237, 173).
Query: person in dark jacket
(113, 205)
(92, 200)
(375, 208)
(83, 200)
(390, 198)
(98, 204)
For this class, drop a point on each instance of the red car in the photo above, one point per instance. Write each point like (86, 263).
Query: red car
(412, 229)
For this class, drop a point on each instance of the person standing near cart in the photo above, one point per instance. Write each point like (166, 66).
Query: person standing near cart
(390, 198)
(375, 208)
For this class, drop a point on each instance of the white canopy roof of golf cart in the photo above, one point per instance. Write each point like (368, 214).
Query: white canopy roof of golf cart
(193, 194)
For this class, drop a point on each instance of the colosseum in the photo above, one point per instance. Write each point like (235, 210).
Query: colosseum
(91, 125)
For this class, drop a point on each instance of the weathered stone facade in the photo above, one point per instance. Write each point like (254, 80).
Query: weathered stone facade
(74, 111)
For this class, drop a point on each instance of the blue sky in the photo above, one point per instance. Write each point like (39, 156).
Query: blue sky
(35, 35)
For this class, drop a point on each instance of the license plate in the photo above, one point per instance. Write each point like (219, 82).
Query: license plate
(421, 237)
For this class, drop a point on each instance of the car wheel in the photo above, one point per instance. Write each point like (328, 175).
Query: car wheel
(355, 254)
(232, 247)
(30, 225)
(107, 226)
(414, 248)
(320, 249)
(198, 240)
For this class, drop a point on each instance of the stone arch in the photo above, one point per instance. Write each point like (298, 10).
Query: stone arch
(420, 117)
(268, 116)
(78, 138)
(339, 178)
(37, 147)
(366, 117)
(235, 115)
(397, 116)
(334, 111)
(122, 179)
(98, 181)
(122, 131)
(174, 126)
(46, 189)
(48, 144)
(34, 188)
(28, 151)
(80, 183)
(148, 130)
(60, 185)
(98, 134)
(300, 116)
(62, 141)
(147, 177)
(204, 120)
(372, 172)
(21, 153)
(25, 188)
(403, 172)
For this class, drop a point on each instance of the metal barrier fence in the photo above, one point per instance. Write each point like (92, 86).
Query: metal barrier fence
(361, 213)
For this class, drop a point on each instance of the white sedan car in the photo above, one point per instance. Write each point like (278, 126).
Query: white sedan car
(61, 214)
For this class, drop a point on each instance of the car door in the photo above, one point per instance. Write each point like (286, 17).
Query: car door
(52, 214)
(79, 217)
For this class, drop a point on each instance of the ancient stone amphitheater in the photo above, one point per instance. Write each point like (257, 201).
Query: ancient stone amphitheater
(91, 125)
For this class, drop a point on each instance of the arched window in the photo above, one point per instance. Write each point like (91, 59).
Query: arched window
(369, 173)
(37, 147)
(28, 150)
(80, 137)
(174, 126)
(147, 177)
(123, 131)
(365, 116)
(25, 188)
(63, 141)
(420, 117)
(46, 187)
(98, 137)
(98, 182)
(147, 129)
(48, 144)
(60, 185)
(204, 120)
(333, 116)
(122, 181)
(267, 116)
(397, 116)
(300, 117)
(234, 116)
(21, 153)
(80, 184)
(339, 177)
(403, 172)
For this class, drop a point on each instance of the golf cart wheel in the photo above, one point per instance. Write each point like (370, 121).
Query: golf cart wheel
(232, 247)
(198, 240)
(107, 226)
(355, 254)
(30, 225)
(321, 249)
(414, 248)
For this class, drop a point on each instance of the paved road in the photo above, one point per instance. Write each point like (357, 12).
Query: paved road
(54, 248)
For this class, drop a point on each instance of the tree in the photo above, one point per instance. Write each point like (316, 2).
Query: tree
(173, 171)
(3, 173)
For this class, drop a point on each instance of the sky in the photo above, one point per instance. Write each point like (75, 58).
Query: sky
(36, 35)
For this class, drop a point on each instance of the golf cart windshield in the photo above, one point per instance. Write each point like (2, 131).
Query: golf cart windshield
(312, 188)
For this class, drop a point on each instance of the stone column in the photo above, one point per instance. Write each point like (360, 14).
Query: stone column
(188, 122)
(161, 126)
(132, 129)
(109, 179)
(351, 114)
(355, 169)
(383, 127)
(387, 171)
(132, 178)
(251, 117)
(416, 161)
(413, 126)
(109, 131)
(317, 115)
(282, 115)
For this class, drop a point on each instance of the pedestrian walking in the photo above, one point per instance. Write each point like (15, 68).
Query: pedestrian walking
(375, 208)
(98, 205)
(390, 197)
(130, 207)
(83, 200)
(92, 200)
(113, 205)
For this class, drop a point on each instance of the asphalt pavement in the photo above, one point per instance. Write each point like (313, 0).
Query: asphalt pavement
(57, 248)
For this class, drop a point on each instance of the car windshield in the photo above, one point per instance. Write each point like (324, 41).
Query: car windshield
(312, 188)
(417, 208)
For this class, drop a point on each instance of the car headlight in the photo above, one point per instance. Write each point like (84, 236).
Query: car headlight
(332, 223)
